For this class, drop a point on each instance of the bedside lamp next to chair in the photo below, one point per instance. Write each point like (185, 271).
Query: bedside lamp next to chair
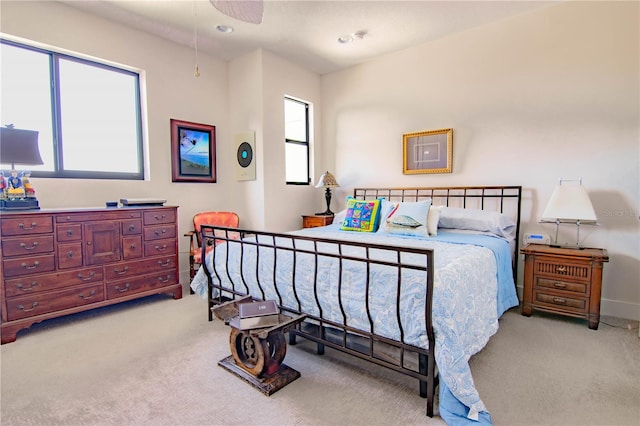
(328, 181)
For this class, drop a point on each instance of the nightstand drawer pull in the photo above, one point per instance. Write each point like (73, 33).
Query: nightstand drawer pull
(559, 300)
(561, 269)
(559, 284)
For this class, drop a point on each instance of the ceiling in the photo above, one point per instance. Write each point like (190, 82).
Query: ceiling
(306, 31)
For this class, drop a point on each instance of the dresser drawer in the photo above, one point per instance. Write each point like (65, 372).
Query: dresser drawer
(37, 283)
(156, 217)
(137, 285)
(69, 255)
(69, 233)
(26, 225)
(582, 288)
(561, 302)
(42, 303)
(27, 245)
(562, 269)
(131, 269)
(159, 232)
(98, 216)
(132, 247)
(160, 247)
(131, 227)
(28, 265)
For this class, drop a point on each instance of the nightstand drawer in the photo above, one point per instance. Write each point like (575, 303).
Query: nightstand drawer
(571, 304)
(575, 287)
(563, 269)
(315, 221)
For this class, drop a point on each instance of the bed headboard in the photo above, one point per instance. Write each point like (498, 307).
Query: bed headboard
(503, 199)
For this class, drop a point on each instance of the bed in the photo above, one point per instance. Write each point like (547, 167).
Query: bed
(418, 299)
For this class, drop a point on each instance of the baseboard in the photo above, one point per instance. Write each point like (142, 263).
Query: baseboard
(619, 309)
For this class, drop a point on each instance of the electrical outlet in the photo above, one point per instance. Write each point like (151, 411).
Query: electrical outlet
(531, 238)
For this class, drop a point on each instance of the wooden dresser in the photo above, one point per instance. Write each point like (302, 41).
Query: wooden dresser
(563, 281)
(59, 262)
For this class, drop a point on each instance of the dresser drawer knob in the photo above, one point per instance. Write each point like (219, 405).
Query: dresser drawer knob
(164, 280)
(126, 288)
(23, 309)
(132, 228)
(34, 245)
(29, 288)
(559, 284)
(161, 217)
(161, 248)
(33, 225)
(122, 272)
(69, 233)
(34, 266)
(69, 254)
(132, 247)
(164, 231)
(91, 294)
(90, 277)
(559, 300)
(164, 264)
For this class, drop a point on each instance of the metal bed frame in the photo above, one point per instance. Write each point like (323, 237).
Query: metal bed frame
(396, 355)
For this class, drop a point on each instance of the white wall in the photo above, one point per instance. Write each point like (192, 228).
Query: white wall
(550, 94)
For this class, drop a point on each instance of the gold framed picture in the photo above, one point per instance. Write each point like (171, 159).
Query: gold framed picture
(430, 151)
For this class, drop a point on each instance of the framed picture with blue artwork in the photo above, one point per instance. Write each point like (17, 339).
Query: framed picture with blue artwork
(430, 151)
(193, 152)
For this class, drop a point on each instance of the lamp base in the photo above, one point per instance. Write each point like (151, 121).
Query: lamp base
(327, 213)
(20, 204)
(567, 246)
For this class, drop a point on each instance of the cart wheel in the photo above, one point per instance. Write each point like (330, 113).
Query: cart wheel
(247, 351)
(275, 349)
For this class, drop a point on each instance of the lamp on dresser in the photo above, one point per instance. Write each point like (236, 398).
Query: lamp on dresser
(569, 203)
(18, 146)
(328, 181)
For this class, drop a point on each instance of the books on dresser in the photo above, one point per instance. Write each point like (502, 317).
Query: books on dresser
(259, 314)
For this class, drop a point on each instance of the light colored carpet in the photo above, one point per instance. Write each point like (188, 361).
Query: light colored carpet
(154, 362)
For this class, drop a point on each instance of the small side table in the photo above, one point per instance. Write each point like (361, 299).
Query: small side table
(312, 221)
(257, 355)
(563, 281)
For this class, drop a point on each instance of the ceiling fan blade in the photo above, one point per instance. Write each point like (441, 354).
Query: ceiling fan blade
(243, 10)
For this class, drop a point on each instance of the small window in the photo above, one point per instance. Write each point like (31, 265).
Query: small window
(88, 114)
(296, 133)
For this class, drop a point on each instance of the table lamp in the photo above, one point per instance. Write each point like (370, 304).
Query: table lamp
(18, 146)
(328, 181)
(569, 203)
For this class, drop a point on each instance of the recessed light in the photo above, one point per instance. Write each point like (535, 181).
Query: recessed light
(224, 28)
(348, 38)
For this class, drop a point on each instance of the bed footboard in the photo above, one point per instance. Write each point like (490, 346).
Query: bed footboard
(355, 296)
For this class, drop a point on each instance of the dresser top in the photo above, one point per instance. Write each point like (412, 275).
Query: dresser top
(81, 210)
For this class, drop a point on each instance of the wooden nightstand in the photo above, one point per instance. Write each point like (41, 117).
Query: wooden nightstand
(311, 221)
(563, 281)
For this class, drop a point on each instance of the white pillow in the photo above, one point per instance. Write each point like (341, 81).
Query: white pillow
(433, 217)
(339, 217)
(407, 218)
(477, 220)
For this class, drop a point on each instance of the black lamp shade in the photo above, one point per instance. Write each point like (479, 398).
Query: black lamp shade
(19, 146)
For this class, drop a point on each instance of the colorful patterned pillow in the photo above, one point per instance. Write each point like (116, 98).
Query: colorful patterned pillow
(407, 219)
(361, 215)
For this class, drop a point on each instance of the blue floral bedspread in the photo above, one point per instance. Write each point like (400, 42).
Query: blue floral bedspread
(473, 287)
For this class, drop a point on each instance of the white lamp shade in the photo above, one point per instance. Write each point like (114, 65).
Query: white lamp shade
(569, 203)
(327, 180)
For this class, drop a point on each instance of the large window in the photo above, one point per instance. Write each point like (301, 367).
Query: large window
(296, 133)
(87, 114)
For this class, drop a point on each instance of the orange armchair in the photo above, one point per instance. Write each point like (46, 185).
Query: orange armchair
(228, 219)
